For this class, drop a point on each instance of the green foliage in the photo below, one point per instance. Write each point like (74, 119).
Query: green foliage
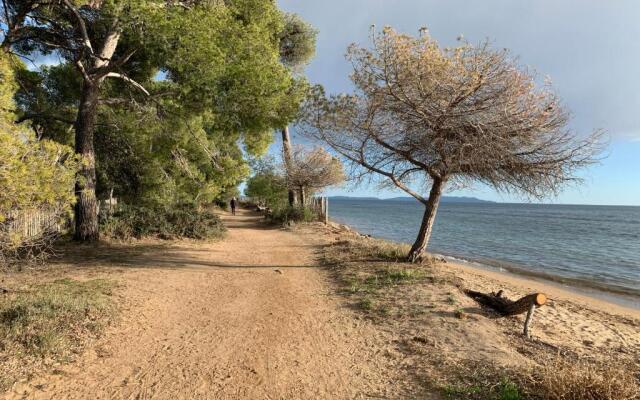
(8, 87)
(174, 222)
(508, 390)
(268, 188)
(297, 41)
(34, 174)
(224, 91)
(286, 214)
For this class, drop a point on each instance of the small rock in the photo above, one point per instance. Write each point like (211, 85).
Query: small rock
(278, 271)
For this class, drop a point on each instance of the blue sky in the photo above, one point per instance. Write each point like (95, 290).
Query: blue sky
(589, 48)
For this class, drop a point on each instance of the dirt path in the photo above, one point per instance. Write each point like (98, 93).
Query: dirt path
(217, 321)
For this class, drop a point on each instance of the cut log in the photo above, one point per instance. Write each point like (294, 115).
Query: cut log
(504, 306)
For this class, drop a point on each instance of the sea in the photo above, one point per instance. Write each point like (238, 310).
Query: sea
(596, 248)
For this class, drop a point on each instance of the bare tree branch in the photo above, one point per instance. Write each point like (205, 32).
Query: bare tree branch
(81, 24)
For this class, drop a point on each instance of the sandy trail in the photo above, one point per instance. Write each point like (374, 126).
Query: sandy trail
(216, 321)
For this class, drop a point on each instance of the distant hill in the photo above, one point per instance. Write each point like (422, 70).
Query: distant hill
(352, 198)
(445, 199)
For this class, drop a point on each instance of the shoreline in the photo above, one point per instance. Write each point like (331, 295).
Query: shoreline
(620, 299)
(607, 301)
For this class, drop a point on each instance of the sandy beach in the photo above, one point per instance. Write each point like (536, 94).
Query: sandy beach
(602, 301)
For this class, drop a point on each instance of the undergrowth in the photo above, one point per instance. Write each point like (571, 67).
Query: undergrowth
(287, 214)
(50, 321)
(48, 318)
(176, 222)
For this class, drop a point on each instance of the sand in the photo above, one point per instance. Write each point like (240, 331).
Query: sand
(569, 318)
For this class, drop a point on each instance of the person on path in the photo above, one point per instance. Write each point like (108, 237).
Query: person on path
(233, 205)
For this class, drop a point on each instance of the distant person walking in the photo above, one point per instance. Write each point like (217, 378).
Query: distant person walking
(233, 205)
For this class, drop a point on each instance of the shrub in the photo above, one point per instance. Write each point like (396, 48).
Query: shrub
(175, 222)
(289, 214)
(35, 175)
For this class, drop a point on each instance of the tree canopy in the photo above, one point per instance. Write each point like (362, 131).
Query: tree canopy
(311, 170)
(426, 116)
(161, 97)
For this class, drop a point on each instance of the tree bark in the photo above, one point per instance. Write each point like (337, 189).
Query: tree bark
(505, 306)
(424, 234)
(286, 154)
(86, 208)
(302, 196)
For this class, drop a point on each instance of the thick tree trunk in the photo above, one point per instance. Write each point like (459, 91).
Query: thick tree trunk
(420, 245)
(86, 209)
(286, 154)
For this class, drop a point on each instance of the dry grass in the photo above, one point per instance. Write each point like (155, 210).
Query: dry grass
(367, 249)
(566, 380)
(50, 322)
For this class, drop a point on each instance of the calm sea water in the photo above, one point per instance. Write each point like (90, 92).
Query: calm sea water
(591, 246)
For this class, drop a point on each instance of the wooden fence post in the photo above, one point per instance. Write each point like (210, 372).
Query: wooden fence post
(326, 210)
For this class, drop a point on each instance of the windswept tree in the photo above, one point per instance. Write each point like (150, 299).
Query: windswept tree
(311, 170)
(423, 117)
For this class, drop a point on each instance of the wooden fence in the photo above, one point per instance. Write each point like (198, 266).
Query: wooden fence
(33, 223)
(320, 205)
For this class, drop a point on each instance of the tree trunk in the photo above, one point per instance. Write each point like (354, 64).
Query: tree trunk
(505, 306)
(420, 245)
(286, 154)
(302, 196)
(86, 209)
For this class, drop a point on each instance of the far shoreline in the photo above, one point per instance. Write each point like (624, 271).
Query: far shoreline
(607, 301)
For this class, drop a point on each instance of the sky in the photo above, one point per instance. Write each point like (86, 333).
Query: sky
(589, 48)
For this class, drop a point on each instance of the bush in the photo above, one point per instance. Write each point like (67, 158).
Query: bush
(35, 175)
(176, 222)
(289, 214)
